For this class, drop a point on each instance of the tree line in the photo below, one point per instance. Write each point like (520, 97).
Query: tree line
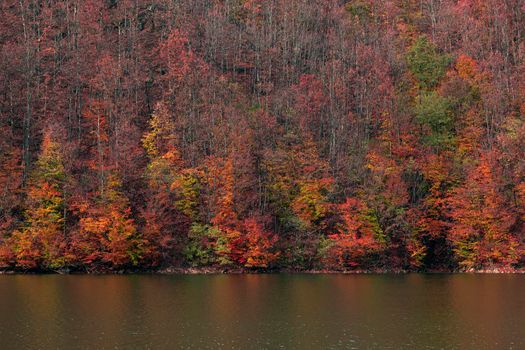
(262, 134)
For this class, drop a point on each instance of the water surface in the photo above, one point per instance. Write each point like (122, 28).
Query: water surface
(263, 312)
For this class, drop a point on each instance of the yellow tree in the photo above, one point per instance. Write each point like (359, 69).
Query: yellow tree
(42, 242)
(160, 216)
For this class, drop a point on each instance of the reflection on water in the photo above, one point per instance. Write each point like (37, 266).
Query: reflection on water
(263, 312)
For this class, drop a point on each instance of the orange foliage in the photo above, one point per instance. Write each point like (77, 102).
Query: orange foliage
(259, 245)
(107, 233)
(356, 239)
(41, 241)
(480, 231)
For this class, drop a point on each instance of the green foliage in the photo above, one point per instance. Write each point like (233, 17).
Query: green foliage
(426, 63)
(188, 189)
(433, 111)
(199, 250)
(325, 244)
(221, 247)
(159, 144)
(466, 252)
(372, 219)
(358, 9)
(209, 245)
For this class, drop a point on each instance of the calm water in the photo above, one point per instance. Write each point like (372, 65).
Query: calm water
(263, 312)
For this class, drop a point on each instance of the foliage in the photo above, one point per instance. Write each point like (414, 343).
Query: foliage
(200, 249)
(426, 63)
(41, 242)
(259, 246)
(262, 135)
(358, 239)
(107, 233)
(481, 222)
(433, 112)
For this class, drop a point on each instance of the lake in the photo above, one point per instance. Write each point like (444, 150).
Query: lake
(414, 311)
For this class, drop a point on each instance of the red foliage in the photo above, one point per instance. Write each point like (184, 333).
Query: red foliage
(260, 245)
(275, 109)
(355, 242)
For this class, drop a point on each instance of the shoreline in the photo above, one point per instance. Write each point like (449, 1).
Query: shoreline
(230, 271)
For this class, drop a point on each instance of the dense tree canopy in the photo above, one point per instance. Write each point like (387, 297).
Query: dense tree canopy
(277, 134)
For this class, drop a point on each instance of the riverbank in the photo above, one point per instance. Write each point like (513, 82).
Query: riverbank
(193, 271)
(237, 271)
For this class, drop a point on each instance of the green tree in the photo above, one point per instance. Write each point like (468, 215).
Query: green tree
(199, 251)
(426, 63)
(433, 112)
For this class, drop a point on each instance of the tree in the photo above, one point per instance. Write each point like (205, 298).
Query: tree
(299, 186)
(10, 193)
(426, 63)
(311, 204)
(199, 250)
(432, 217)
(106, 233)
(259, 245)
(227, 241)
(165, 225)
(480, 232)
(432, 112)
(42, 241)
(389, 188)
(182, 126)
(357, 241)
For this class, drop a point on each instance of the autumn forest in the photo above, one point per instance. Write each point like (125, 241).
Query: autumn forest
(262, 135)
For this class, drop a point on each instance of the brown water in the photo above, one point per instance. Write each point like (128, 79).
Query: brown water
(263, 312)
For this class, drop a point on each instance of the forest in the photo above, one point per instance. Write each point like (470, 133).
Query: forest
(262, 135)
